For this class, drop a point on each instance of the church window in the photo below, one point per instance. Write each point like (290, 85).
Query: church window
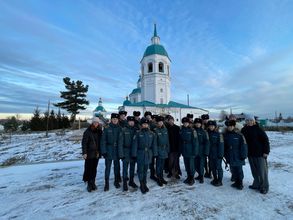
(161, 67)
(161, 90)
(150, 67)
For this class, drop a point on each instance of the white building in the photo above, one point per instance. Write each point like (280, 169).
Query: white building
(153, 86)
(100, 110)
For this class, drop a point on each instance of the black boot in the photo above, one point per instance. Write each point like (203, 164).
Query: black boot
(106, 188)
(219, 183)
(116, 183)
(132, 183)
(125, 187)
(187, 180)
(159, 181)
(191, 181)
(163, 181)
(240, 185)
(146, 187)
(214, 181)
(142, 187)
(94, 186)
(89, 186)
(201, 179)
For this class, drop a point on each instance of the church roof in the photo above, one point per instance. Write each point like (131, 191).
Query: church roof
(135, 91)
(126, 102)
(100, 108)
(171, 104)
(155, 49)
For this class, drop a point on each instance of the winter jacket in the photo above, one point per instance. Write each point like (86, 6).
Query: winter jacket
(257, 141)
(128, 133)
(91, 142)
(188, 142)
(235, 148)
(203, 142)
(216, 145)
(111, 138)
(162, 141)
(144, 146)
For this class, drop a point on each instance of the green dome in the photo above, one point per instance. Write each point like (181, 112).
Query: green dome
(135, 91)
(100, 108)
(126, 102)
(155, 49)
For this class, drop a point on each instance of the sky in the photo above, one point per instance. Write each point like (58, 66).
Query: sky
(225, 54)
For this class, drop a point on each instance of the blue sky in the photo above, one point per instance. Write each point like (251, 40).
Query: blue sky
(225, 54)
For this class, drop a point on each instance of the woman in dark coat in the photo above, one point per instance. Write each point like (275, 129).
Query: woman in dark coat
(258, 151)
(91, 153)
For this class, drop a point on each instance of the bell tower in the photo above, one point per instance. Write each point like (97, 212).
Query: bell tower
(155, 72)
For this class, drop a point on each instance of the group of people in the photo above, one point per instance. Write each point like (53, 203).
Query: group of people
(155, 142)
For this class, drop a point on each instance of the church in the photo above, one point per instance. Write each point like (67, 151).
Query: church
(153, 91)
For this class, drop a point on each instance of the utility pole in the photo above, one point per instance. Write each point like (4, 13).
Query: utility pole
(188, 99)
(48, 118)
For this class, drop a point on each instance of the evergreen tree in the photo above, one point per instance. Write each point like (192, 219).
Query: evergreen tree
(52, 121)
(74, 97)
(65, 121)
(59, 120)
(11, 124)
(25, 125)
(36, 123)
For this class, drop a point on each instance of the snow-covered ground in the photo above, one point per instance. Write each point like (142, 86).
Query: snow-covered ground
(56, 191)
(36, 147)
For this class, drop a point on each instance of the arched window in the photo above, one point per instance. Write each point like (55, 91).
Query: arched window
(142, 69)
(168, 70)
(161, 90)
(161, 67)
(150, 67)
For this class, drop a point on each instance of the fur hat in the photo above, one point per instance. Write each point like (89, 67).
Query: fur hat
(147, 113)
(122, 112)
(185, 119)
(205, 117)
(136, 113)
(160, 118)
(144, 120)
(230, 123)
(211, 122)
(114, 115)
(189, 115)
(130, 118)
(197, 120)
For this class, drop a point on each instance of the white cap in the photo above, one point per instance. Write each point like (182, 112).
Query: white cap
(96, 119)
(249, 118)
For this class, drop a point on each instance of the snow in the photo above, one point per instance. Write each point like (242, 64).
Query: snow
(55, 190)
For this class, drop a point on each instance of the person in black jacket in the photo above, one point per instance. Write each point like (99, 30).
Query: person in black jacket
(91, 153)
(258, 151)
(173, 131)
